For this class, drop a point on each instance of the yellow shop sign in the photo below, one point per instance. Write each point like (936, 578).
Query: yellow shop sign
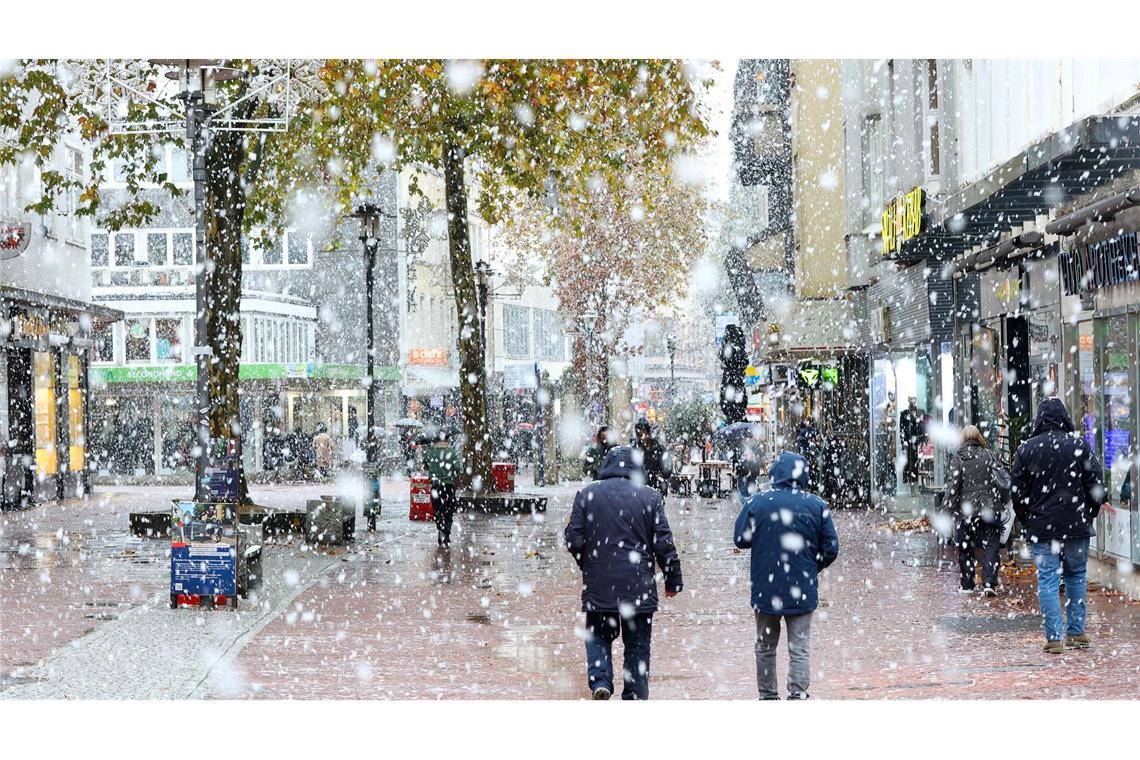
(902, 221)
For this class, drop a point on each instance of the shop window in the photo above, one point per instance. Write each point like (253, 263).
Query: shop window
(103, 343)
(1117, 359)
(168, 340)
(77, 434)
(137, 332)
(124, 249)
(183, 248)
(99, 249)
(43, 385)
(156, 248)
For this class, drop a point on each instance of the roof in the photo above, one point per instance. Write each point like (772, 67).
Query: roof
(58, 303)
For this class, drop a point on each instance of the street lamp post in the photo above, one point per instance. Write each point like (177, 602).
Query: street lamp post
(589, 321)
(671, 342)
(369, 216)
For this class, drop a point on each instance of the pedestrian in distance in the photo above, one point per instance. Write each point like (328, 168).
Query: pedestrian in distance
(617, 530)
(323, 450)
(1057, 494)
(792, 538)
(594, 456)
(976, 494)
(442, 464)
(655, 459)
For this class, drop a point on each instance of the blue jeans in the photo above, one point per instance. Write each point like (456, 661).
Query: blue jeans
(603, 628)
(1054, 561)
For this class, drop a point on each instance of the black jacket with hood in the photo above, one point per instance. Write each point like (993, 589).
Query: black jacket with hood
(1056, 482)
(617, 529)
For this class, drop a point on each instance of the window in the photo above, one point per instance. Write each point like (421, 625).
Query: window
(43, 386)
(77, 440)
(137, 332)
(179, 165)
(124, 249)
(874, 170)
(548, 335)
(183, 248)
(930, 119)
(762, 213)
(298, 248)
(156, 248)
(99, 249)
(270, 251)
(168, 340)
(71, 222)
(9, 191)
(103, 340)
(516, 330)
(245, 341)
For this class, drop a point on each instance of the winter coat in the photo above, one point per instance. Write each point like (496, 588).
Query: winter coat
(592, 460)
(617, 529)
(442, 465)
(657, 463)
(1056, 483)
(323, 449)
(792, 538)
(970, 493)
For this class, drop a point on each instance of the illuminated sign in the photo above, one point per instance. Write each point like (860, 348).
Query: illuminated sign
(1098, 265)
(427, 357)
(902, 221)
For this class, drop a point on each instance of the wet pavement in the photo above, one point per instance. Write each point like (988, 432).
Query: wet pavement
(84, 613)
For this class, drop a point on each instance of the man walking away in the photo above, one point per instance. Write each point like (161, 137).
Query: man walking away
(617, 530)
(1057, 494)
(442, 465)
(792, 538)
(596, 454)
(656, 461)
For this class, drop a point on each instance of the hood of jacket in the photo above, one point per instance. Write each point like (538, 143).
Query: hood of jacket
(790, 470)
(623, 462)
(1052, 416)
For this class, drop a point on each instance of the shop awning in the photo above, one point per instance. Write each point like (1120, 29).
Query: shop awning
(999, 254)
(59, 303)
(1066, 165)
(1102, 211)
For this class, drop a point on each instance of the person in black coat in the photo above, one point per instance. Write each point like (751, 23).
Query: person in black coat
(656, 461)
(1057, 494)
(913, 433)
(617, 530)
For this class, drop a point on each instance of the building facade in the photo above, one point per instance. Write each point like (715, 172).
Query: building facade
(46, 328)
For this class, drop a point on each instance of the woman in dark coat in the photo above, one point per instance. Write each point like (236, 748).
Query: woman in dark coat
(977, 509)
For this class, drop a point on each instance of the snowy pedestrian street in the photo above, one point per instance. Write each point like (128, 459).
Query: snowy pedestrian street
(392, 616)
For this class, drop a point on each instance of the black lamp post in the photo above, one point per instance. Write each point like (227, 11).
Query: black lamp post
(369, 216)
(671, 343)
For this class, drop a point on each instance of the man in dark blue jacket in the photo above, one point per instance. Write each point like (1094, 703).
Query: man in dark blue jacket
(1057, 494)
(792, 538)
(616, 530)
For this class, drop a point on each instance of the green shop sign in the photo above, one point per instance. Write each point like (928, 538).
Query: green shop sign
(179, 373)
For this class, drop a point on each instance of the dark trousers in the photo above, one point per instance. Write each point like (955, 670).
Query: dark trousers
(443, 505)
(602, 628)
(971, 535)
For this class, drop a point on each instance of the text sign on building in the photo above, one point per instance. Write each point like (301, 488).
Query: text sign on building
(902, 220)
(1098, 265)
(427, 357)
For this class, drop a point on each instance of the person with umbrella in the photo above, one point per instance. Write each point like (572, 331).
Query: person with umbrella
(408, 427)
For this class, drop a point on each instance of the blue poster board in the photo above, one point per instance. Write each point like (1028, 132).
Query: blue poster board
(203, 549)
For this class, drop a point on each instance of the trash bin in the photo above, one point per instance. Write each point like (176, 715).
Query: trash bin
(421, 508)
(503, 477)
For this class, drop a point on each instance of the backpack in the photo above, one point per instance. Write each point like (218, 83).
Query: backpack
(1000, 481)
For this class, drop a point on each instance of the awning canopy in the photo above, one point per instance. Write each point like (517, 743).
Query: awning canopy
(424, 381)
(1066, 165)
(57, 303)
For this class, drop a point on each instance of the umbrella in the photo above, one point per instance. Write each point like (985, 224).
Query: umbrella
(735, 432)
(408, 422)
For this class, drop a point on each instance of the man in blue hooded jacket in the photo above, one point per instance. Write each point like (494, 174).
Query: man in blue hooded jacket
(792, 538)
(617, 529)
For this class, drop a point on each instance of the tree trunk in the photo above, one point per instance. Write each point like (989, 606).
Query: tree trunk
(225, 212)
(472, 365)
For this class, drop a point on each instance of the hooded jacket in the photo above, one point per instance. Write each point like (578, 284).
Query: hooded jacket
(792, 538)
(1055, 480)
(970, 490)
(617, 530)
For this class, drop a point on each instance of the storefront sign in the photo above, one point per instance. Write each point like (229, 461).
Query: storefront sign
(188, 372)
(14, 239)
(427, 357)
(808, 375)
(751, 375)
(830, 375)
(1098, 265)
(902, 221)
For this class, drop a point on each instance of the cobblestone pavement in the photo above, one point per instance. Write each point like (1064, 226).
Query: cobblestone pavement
(497, 616)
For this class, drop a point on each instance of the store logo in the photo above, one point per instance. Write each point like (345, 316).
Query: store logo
(810, 376)
(14, 239)
(902, 221)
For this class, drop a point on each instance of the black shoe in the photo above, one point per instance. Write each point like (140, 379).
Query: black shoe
(602, 693)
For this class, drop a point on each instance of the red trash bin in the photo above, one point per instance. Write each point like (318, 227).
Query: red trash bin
(503, 477)
(421, 508)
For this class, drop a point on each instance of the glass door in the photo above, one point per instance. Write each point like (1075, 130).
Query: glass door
(1118, 350)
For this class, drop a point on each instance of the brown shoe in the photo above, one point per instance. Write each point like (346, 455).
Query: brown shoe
(1080, 641)
(1054, 647)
